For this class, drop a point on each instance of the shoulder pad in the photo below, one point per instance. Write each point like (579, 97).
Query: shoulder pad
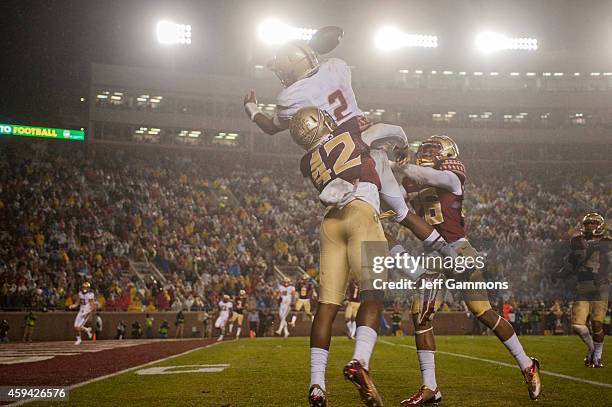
(453, 165)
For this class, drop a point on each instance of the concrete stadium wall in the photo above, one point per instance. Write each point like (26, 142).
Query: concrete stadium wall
(57, 326)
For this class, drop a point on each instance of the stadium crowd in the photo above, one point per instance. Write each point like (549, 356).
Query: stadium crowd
(212, 226)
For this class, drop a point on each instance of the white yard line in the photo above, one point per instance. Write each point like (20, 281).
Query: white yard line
(495, 362)
(108, 376)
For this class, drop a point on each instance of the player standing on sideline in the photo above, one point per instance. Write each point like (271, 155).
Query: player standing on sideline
(590, 259)
(304, 291)
(352, 307)
(438, 179)
(225, 307)
(87, 304)
(240, 304)
(327, 86)
(285, 296)
(338, 163)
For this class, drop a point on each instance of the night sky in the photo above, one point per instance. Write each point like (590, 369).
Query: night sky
(48, 46)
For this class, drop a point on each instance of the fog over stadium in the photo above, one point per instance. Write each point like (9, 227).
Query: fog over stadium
(181, 174)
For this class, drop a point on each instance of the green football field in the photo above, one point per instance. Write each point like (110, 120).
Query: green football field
(472, 371)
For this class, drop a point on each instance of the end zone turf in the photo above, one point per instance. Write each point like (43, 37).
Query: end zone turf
(472, 371)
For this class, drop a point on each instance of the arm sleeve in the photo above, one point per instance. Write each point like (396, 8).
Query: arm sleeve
(429, 176)
(382, 133)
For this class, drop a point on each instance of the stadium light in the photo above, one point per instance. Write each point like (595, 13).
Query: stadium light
(169, 33)
(276, 32)
(391, 38)
(492, 42)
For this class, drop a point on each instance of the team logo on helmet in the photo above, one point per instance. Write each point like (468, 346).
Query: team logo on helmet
(309, 125)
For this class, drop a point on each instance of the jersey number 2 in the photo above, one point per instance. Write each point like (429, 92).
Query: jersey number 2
(338, 96)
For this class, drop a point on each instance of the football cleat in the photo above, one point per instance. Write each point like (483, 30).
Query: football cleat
(88, 332)
(78, 341)
(220, 338)
(360, 377)
(533, 380)
(598, 364)
(589, 359)
(317, 396)
(424, 396)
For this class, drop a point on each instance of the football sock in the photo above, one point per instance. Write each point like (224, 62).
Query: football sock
(349, 327)
(282, 325)
(293, 319)
(365, 339)
(585, 335)
(516, 349)
(231, 328)
(238, 332)
(598, 350)
(428, 368)
(318, 363)
(353, 328)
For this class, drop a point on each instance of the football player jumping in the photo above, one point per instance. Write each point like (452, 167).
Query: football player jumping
(238, 313)
(590, 258)
(87, 307)
(438, 180)
(327, 86)
(285, 296)
(225, 307)
(338, 163)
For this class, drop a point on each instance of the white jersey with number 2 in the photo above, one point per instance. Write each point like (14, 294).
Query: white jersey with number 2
(329, 89)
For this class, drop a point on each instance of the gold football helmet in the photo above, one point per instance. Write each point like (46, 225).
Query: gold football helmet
(86, 286)
(294, 61)
(436, 148)
(598, 220)
(242, 293)
(309, 125)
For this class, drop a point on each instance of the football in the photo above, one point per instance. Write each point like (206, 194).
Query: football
(326, 39)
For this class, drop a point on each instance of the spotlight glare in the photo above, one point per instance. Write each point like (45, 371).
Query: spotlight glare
(488, 42)
(169, 33)
(391, 38)
(276, 32)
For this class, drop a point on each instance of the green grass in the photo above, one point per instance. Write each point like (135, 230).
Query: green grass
(274, 372)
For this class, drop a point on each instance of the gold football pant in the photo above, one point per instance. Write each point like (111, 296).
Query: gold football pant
(351, 310)
(593, 300)
(302, 303)
(344, 249)
(237, 318)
